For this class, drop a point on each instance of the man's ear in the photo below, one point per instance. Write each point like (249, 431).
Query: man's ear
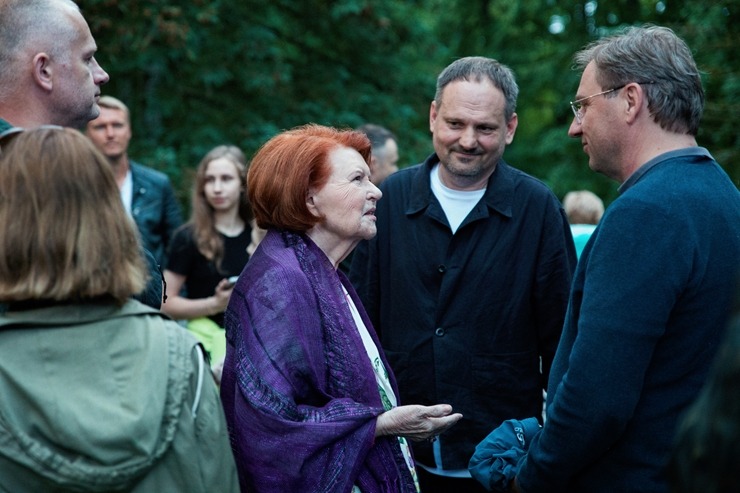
(42, 71)
(634, 96)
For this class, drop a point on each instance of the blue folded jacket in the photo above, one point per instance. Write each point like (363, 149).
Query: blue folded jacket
(496, 459)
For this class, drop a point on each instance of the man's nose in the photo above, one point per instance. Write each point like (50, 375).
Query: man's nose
(100, 76)
(468, 138)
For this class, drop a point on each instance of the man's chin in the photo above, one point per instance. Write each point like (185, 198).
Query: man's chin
(94, 112)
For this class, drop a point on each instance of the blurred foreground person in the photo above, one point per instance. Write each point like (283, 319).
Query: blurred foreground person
(100, 392)
(309, 397)
(706, 457)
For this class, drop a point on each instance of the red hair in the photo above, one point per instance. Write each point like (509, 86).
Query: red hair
(287, 166)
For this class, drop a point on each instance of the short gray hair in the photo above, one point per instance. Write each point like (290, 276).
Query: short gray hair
(651, 54)
(22, 21)
(477, 68)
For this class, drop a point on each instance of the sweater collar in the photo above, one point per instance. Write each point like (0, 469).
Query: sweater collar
(678, 153)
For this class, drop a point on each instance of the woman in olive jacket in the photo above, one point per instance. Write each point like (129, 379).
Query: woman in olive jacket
(100, 393)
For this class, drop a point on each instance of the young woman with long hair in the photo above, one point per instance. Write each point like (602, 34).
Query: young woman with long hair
(211, 248)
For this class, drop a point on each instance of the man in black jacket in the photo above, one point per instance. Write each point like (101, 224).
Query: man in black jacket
(467, 279)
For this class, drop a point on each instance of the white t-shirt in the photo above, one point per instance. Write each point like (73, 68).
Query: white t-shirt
(127, 192)
(457, 204)
(387, 396)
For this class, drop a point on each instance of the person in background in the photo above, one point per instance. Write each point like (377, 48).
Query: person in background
(706, 453)
(654, 285)
(584, 210)
(383, 163)
(384, 159)
(310, 400)
(100, 393)
(210, 249)
(146, 193)
(50, 76)
(467, 279)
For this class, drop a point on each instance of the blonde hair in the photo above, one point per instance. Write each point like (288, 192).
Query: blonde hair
(65, 233)
(112, 103)
(583, 207)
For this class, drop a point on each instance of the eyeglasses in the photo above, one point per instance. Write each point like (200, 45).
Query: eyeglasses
(6, 136)
(577, 105)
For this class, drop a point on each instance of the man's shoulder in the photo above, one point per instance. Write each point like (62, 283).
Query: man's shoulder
(403, 176)
(139, 172)
(521, 179)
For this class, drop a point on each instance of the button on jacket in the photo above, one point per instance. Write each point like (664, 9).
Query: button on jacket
(465, 318)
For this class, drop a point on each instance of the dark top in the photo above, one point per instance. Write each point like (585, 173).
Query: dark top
(202, 275)
(650, 297)
(155, 209)
(465, 318)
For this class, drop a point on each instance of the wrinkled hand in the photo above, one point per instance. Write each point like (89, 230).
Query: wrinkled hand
(416, 422)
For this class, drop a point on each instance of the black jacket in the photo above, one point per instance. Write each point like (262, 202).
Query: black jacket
(465, 319)
(154, 209)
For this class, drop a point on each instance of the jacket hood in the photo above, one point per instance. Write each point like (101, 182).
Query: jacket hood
(91, 398)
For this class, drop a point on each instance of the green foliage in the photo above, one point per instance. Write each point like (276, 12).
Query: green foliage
(205, 72)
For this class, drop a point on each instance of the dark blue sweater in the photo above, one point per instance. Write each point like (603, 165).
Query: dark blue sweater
(649, 301)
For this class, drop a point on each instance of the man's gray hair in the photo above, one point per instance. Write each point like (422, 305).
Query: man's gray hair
(660, 60)
(476, 69)
(21, 23)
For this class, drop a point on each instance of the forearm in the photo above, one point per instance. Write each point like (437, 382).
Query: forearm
(181, 308)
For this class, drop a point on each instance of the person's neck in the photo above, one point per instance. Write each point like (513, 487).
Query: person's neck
(120, 166)
(23, 118)
(652, 145)
(335, 250)
(463, 183)
(228, 222)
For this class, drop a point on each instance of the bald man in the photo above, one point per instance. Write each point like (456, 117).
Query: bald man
(49, 75)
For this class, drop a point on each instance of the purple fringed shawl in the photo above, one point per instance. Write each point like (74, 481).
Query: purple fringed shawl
(298, 390)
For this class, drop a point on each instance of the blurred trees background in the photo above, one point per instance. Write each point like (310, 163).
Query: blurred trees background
(204, 72)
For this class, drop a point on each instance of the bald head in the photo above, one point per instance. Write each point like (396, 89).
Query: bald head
(49, 74)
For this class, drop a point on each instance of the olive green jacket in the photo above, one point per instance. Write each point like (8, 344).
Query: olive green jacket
(94, 397)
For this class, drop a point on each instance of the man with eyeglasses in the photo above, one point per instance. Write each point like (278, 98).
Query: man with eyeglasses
(654, 284)
(50, 76)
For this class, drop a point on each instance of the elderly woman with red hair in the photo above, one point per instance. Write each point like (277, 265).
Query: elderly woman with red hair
(310, 400)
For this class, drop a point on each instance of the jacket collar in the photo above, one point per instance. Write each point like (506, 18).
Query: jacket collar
(499, 195)
(62, 314)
